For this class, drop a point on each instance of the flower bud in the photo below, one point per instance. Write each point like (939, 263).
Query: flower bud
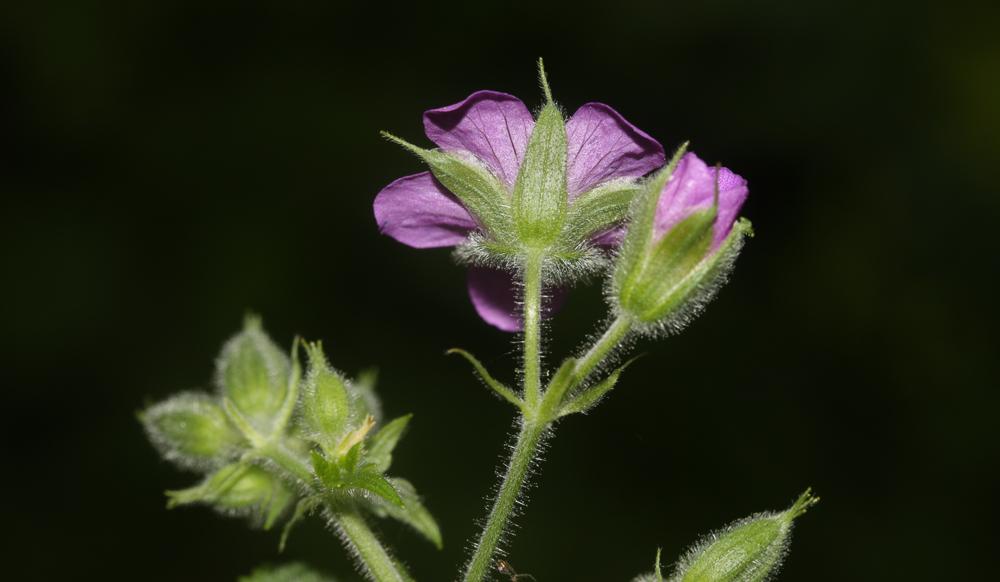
(749, 550)
(191, 430)
(681, 243)
(253, 374)
(241, 489)
(325, 401)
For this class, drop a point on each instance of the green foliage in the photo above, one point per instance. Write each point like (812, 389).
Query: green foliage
(384, 442)
(502, 390)
(412, 512)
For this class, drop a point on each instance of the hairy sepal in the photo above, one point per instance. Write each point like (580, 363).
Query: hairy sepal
(192, 430)
(597, 210)
(252, 373)
(239, 489)
(383, 442)
(540, 196)
(325, 401)
(749, 550)
(482, 194)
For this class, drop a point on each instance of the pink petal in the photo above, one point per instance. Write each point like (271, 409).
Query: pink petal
(495, 127)
(603, 145)
(417, 211)
(496, 296)
(692, 187)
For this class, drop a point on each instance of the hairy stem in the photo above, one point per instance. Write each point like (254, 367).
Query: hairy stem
(603, 347)
(532, 330)
(369, 549)
(523, 455)
(357, 535)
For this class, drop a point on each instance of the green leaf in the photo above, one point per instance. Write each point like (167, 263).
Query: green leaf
(749, 550)
(252, 373)
(374, 483)
(192, 430)
(325, 400)
(590, 397)
(540, 196)
(329, 472)
(497, 386)
(294, 572)
(412, 513)
(597, 210)
(472, 183)
(381, 445)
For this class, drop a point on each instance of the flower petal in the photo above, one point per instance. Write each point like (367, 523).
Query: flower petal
(493, 126)
(692, 187)
(417, 211)
(603, 145)
(496, 297)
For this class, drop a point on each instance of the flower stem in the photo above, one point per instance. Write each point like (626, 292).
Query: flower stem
(357, 536)
(369, 549)
(520, 463)
(603, 347)
(532, 329)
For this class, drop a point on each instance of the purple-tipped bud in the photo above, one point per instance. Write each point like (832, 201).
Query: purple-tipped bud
(681, 242)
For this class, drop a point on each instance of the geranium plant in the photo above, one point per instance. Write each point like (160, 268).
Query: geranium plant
(532, 204)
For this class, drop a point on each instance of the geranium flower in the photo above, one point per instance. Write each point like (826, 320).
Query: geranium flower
(494, 128)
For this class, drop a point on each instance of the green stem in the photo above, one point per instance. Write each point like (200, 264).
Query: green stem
(357, 535)
(369, 549)
(532, 330)
(602, 348)
(525, 449)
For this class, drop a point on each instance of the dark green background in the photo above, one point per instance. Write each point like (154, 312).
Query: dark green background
(168, 166)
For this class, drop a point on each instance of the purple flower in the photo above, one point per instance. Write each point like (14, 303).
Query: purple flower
(495, 128)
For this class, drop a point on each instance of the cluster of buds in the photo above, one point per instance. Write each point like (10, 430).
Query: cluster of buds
(271, 438)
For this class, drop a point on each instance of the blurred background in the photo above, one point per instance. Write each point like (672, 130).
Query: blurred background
(168, 166)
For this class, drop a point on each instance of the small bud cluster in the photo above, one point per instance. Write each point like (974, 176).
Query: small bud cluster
(271, 438)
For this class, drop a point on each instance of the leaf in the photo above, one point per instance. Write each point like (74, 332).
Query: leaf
(374, 483)
(413, 513)
(192, 430)
(590, 397)
(381, 445)
(540, 196)
(498, 387)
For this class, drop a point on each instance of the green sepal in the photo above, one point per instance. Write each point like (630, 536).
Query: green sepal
(502, 390)
(192, 430)
(382, 443)
(749, 550)
(239, 488)
(252, 373)
(540, 197)
(597, 210)
(482, 194)
(412, 513)
(655, 575)
(591, 396)
(325, 400)
(294, 572)
(642, 217)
